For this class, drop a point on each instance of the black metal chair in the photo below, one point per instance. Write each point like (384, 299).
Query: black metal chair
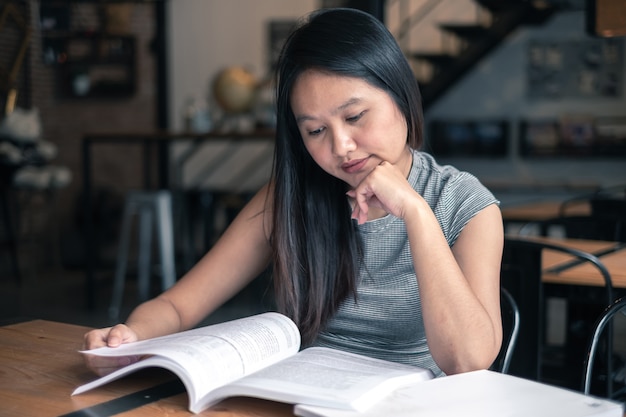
(521, 276)
(606, 221)
(510, 326)
(595, 345)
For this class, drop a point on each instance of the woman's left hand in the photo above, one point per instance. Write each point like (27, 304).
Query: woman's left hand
(386, 188)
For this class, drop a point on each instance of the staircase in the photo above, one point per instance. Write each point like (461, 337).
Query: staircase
(464, 45)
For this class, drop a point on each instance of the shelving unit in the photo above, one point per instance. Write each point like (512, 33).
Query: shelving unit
(584, 137)
(90, 63)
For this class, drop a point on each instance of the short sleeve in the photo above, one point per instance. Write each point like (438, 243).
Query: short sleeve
(461, 198)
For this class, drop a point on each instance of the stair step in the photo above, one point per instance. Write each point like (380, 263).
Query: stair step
(539, 16)
(469, 43)
(433, 57)
(503, 5)
(534, 12)
(469, 32)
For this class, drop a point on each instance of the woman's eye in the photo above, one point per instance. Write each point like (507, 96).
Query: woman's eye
(355, 118)
(315, 132)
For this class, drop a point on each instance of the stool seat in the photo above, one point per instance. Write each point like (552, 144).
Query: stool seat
(153, 208)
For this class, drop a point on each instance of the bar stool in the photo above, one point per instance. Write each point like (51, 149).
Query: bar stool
(151, 207)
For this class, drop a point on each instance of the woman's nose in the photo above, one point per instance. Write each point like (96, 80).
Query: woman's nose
(342, 143)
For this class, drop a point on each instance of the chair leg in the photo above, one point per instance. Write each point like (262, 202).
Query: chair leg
(122, 260)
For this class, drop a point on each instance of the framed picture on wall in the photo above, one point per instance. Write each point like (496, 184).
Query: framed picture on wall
(583, 68)
(610, 135)
(577, 132)
(278, 31)
(471, 138)
(539, 137)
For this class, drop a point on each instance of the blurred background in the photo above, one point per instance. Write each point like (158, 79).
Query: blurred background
(99, 98)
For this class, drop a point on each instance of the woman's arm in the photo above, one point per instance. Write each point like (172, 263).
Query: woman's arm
(459, 286)
(240, 255)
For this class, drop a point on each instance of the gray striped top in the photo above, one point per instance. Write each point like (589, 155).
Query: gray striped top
(386, 320)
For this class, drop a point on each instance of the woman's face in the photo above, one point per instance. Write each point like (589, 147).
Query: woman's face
(348, 126)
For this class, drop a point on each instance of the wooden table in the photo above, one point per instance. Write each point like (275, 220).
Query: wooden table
(557, 267)
(40, 367)
(611, 254)
(542, 211)
(586, 274)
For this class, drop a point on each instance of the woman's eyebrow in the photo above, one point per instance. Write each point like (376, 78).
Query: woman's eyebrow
(350, 102)
(304, 118)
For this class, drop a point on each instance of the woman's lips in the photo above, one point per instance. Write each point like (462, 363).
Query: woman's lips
(354, 166)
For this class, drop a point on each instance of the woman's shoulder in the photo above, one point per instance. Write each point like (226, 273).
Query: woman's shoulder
(426, 170)
(454, 195)
(435, 181)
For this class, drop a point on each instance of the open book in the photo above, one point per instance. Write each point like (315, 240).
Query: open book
(259, 356)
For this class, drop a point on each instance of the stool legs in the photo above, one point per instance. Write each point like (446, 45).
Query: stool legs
(166, 240)
(122, 259)
(153, 208)
(145, 250)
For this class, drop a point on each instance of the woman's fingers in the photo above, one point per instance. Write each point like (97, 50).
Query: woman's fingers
(360, 208)
(111, 337)
(384, 188)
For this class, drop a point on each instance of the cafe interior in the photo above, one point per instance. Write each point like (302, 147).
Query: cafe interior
(117, 113)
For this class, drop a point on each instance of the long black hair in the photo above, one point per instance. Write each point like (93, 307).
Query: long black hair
(315, 243)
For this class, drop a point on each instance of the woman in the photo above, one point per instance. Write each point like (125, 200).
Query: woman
(375, 248)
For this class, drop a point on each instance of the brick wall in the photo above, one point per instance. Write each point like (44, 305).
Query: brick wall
(65, 120)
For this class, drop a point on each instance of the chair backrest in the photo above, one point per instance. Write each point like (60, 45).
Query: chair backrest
(595, 227)
(594, 345)
(521, 276)
(510, 326)
(606, 220)
(612, 198)
(607, 206)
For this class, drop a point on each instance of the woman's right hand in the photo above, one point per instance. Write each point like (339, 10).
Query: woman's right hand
(111, 337)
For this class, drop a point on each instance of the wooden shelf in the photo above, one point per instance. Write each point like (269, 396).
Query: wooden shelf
(95, 65)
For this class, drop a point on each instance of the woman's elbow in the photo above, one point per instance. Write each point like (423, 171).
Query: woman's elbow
(474, 359)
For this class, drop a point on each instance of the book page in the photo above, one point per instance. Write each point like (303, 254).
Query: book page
(323, 376)
(478, 394)
(211, 356)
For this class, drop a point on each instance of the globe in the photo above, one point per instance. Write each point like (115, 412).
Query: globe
(234, 89)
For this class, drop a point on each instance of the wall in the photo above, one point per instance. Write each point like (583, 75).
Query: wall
(207, 36)
(65, 121)
(497, 88)
(200, 31)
